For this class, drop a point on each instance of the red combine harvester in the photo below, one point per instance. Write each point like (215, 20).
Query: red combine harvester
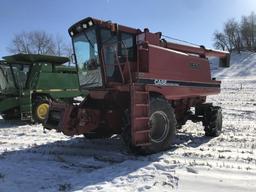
(140, 86)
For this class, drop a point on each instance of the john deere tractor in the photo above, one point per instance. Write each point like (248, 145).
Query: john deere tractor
(29, 82)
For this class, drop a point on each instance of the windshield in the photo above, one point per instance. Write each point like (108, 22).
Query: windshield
(21, 72)
(6, 79)
(87, 58)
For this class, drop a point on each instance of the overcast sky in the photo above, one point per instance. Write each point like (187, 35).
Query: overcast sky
(191, 20)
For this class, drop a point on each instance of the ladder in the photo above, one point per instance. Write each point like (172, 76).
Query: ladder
(25, 105)
(140, 116)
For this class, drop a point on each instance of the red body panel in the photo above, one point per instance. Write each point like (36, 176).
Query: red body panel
(168, 64)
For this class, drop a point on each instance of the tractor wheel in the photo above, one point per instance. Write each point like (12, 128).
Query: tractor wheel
(162, 124)
(213, 124)
(40, 110)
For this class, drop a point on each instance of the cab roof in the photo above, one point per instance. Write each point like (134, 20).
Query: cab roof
(35, 58)
(90, 22)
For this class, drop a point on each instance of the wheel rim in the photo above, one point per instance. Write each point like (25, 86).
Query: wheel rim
(159, 126)
(42, 110)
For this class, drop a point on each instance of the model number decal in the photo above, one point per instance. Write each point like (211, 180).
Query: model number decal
(194, 65)
(160, 82)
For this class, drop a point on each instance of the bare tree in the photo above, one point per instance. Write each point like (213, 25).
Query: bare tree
(220, 41)
(42, 43)
(20, 43)
(246, 31)
(232, 32)
(252, 32)
(38, 42)
(68, 49)
(62, 48)
(237, 36)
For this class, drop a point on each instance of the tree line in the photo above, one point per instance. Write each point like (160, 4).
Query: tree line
(237, 36)
(39, 42)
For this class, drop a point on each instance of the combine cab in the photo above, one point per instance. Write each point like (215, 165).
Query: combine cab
(28, 83)
(140, 86)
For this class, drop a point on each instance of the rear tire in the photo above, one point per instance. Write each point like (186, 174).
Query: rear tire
(40, 110)
(213, 122)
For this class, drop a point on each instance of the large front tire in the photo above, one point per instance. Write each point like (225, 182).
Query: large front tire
(162, 123)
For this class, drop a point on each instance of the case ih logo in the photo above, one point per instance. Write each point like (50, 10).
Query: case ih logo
(160, 82)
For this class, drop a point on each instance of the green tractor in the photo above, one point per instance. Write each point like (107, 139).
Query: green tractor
(29, 82)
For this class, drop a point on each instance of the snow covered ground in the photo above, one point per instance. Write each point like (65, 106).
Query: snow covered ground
(34, 160)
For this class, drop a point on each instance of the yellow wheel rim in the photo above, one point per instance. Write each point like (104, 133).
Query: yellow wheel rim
(42, 110)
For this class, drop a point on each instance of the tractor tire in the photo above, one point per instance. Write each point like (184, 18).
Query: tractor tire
(213, 124)
(40, 110)
(162, 122)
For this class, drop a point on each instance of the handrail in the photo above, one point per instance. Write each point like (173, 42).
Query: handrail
(127, 62)
(119, 66)
(117, 61)
(103, 64)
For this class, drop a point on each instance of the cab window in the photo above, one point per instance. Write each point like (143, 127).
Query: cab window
(128, 46)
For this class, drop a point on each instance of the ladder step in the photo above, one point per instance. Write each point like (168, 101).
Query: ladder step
(141, 118)
(142, 144)
(141, 92)
(140, 109)
(142, 105)
(143, 131)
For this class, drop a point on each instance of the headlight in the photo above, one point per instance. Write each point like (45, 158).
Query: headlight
(90, 23)
(84, 25)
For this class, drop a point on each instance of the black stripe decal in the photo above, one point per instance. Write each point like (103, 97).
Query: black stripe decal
(176, 83)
